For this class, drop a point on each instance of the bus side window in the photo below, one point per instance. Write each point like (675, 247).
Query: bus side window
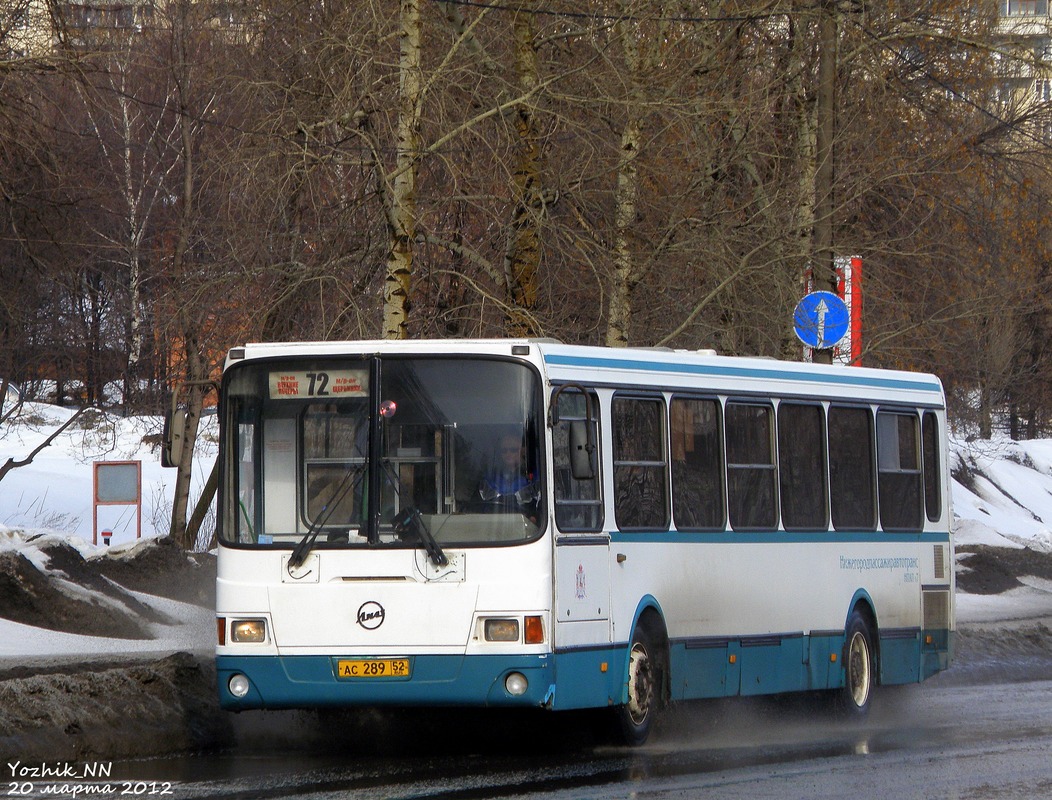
(640, 463)
(578, 501)
(932, 477)
(697, 464)
(802, 466)
(751, 494)
(898, 471)
(851, 479)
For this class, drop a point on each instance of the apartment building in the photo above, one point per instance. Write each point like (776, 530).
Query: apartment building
(1025, 30)
(34, 28)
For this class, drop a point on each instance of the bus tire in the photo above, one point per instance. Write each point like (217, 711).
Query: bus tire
(859, 668)
(635, 718)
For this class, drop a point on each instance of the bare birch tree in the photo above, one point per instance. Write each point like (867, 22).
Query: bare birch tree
(137, 146)
(188, 324)
(626, 270)
(401, 205)
(523, 254)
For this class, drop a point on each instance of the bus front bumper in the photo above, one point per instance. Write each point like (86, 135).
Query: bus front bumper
(454, 680)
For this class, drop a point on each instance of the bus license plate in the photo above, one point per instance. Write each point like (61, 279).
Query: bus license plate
(373, 668)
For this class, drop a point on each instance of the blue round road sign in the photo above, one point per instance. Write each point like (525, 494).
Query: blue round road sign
(821, 320)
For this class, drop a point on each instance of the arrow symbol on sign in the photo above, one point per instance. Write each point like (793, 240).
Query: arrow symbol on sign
(820, 313)
(820, 320)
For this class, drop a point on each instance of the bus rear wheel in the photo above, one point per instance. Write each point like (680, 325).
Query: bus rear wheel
(859, 667)
(636, 717)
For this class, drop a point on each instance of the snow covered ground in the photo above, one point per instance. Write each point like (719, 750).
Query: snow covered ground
(50, 502)
(1004, 501)
(55, 491)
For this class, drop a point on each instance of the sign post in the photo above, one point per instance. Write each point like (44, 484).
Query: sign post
(116, 483)
(848, 350)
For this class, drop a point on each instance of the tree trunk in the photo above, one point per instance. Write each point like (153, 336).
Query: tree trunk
(195, 393)
(196, 366)
(626, 272)
(204, 502)
(401, 211)
(523, 254)
(135, 231)
(986, 416)
(804, 109)
(824, 269)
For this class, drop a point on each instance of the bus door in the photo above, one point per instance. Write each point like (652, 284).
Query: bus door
(582, 548)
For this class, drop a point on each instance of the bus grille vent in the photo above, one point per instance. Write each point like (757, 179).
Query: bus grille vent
(940, 562)
(936, 609)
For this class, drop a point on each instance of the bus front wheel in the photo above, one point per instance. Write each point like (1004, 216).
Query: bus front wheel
(859, 667)
(636, 717)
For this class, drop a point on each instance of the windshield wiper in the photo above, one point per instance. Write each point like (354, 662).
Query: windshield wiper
(409, 520)
(304, 545)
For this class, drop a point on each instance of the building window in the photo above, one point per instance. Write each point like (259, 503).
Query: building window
(1023, 8)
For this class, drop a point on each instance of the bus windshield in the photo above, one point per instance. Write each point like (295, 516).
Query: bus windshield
(351, 450)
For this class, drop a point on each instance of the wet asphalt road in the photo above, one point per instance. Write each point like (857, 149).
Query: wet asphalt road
(974, 736)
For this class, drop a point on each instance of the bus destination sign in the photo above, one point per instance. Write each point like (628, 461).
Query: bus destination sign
(291, 385)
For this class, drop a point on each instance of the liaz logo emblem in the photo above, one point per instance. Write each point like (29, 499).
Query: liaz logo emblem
(370, 615)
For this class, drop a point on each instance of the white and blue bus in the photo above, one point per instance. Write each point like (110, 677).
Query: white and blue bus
(528, 523)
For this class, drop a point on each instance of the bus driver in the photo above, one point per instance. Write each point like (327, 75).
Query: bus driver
(509, 485)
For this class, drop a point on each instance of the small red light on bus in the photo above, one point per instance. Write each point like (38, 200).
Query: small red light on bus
(221, 630)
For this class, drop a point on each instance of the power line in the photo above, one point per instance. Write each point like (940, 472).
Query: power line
(520, 9)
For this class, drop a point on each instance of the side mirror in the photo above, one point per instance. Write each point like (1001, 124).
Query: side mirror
(173, 437)
(582, 450)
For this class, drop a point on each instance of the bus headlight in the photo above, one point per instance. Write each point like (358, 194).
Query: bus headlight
(238, 685)
(516, 683)
(248, 631)
(501, 630)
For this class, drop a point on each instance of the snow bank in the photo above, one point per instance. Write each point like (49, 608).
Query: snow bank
(1002, 493)
(55, 491)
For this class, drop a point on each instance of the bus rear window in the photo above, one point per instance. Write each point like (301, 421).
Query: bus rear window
(898, 471)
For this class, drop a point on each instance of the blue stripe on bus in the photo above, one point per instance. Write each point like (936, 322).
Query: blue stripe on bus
(726, 666)
(585, 677)
(845, 378)
(778, 537)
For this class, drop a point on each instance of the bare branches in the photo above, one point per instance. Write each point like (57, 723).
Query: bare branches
(15, 463)
(628, 172)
